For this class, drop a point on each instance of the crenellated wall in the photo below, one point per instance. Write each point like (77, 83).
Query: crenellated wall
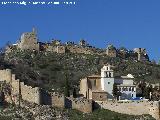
(33, 95)
(6, 75)
(81, 104)
(29, 93)
(57, 49)
(19, 88)
(78, 49)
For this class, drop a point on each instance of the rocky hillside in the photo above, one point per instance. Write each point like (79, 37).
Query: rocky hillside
(49, 70)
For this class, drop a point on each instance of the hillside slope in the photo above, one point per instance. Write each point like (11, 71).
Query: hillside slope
(49, 69)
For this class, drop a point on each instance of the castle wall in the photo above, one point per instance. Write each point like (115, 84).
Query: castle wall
(61, 49)
(111, 53)
(154, 109)
(84, 87)
(77, 49)
(132, 107)
(27, 93)
(81, 104)
(57, 100)
(57, 49)
(6, 75)
(30, 94)
(15, 85)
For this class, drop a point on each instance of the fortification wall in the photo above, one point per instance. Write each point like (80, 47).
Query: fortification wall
(30, 94)
(15, 85)
(111, 53)
(81, 104)
(57, 49)
(51, 48)
(6, 75)
(61, 49)
(77, 49)
(57, 100)
(28, 46)
(154, 109)
(27, 92)
(132, 107)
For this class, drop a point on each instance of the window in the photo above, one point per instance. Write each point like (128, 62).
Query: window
(109, 74)
(108, 82)
(106, 74)
(123, 89)
(132, 95)
(130, 89)
(126, 89)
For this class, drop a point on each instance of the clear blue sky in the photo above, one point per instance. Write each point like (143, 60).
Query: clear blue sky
(129, 23)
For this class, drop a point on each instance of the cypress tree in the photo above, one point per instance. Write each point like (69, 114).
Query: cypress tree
(74, 93)
(115, 90)
(66, 91)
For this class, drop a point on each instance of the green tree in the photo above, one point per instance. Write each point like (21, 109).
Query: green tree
(74, 93)
(66, 91)
(116, 92)
(142, 86)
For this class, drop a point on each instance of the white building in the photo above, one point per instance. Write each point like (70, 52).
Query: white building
(100, 87)
(124, 83)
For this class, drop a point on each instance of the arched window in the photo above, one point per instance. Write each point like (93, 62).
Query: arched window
(106, 74)
(110, 74)
(132, 89)
(126, 89)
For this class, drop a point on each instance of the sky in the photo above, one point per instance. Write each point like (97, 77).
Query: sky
(127, 23)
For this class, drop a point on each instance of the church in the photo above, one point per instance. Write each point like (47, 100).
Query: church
(100, 87)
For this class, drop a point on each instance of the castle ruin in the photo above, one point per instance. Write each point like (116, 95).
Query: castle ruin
(19, 89)
(141, 54)
(28, 41)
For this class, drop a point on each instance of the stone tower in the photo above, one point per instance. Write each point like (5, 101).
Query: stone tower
(82, 43)
(29, 41)
(142, 55)
(111, 51)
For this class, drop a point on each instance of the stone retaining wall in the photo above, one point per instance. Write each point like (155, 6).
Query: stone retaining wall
(132, 107)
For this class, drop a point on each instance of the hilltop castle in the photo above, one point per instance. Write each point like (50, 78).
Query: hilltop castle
(29, 41)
